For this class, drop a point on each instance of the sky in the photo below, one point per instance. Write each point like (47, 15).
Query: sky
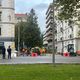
(40, 6)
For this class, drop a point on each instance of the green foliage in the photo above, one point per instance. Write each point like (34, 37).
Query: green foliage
(32, 34)
(68, 8)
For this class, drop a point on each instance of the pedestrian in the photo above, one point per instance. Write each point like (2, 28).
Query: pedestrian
(23, 51)
(9, 52)
(3, 52)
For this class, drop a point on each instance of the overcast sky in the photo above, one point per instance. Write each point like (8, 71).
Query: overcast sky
(40, 6)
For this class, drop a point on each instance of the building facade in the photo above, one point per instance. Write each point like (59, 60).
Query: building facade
(49, 22)
(49, 25)
(67, 36)
(45, 42)
(66, 32)
(7, 23)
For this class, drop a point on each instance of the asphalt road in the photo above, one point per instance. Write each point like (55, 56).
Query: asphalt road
(40, 59)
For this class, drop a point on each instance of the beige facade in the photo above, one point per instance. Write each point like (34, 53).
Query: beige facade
(7, 23)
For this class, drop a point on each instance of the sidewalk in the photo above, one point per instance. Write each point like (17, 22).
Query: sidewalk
(27, 60)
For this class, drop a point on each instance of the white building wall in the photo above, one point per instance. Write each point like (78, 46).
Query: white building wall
(67, 31)
(78, 44)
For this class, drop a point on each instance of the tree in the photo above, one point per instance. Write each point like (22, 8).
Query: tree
(32, 34)
(68, 9)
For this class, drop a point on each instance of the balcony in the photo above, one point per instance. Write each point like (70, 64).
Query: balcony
(49, 9)
(45, 43)
(49, 33)
(49, 29)
(70, 22)
(50, 13)
(50, 18)
(49, 24)
(49, 38)
(71, 28)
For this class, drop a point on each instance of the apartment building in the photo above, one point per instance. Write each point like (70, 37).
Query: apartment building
(7, 23)
(49, 22)
(49, 25)
(66, 32)
(67, 35)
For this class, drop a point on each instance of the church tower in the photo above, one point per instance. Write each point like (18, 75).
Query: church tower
(7, 23)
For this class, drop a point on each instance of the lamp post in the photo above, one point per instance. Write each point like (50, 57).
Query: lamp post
(62, 37)
(18, 36)
(53, 34)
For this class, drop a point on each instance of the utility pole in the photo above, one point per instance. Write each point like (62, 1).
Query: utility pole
(53, 35)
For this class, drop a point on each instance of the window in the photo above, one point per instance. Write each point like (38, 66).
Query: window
(0, 30)
(72, 42)
(9, 18)
(61, 38)
(0, 2)
(0, 15)
(68, 30)
(66, 21)
(61, 29)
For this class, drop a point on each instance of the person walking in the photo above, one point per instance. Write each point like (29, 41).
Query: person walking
(9, 52)
(3, 52)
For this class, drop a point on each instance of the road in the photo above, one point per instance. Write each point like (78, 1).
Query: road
(40, 59)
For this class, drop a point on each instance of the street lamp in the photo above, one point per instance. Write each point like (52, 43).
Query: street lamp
(19, 33)
(18, 37)
(53, 32)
